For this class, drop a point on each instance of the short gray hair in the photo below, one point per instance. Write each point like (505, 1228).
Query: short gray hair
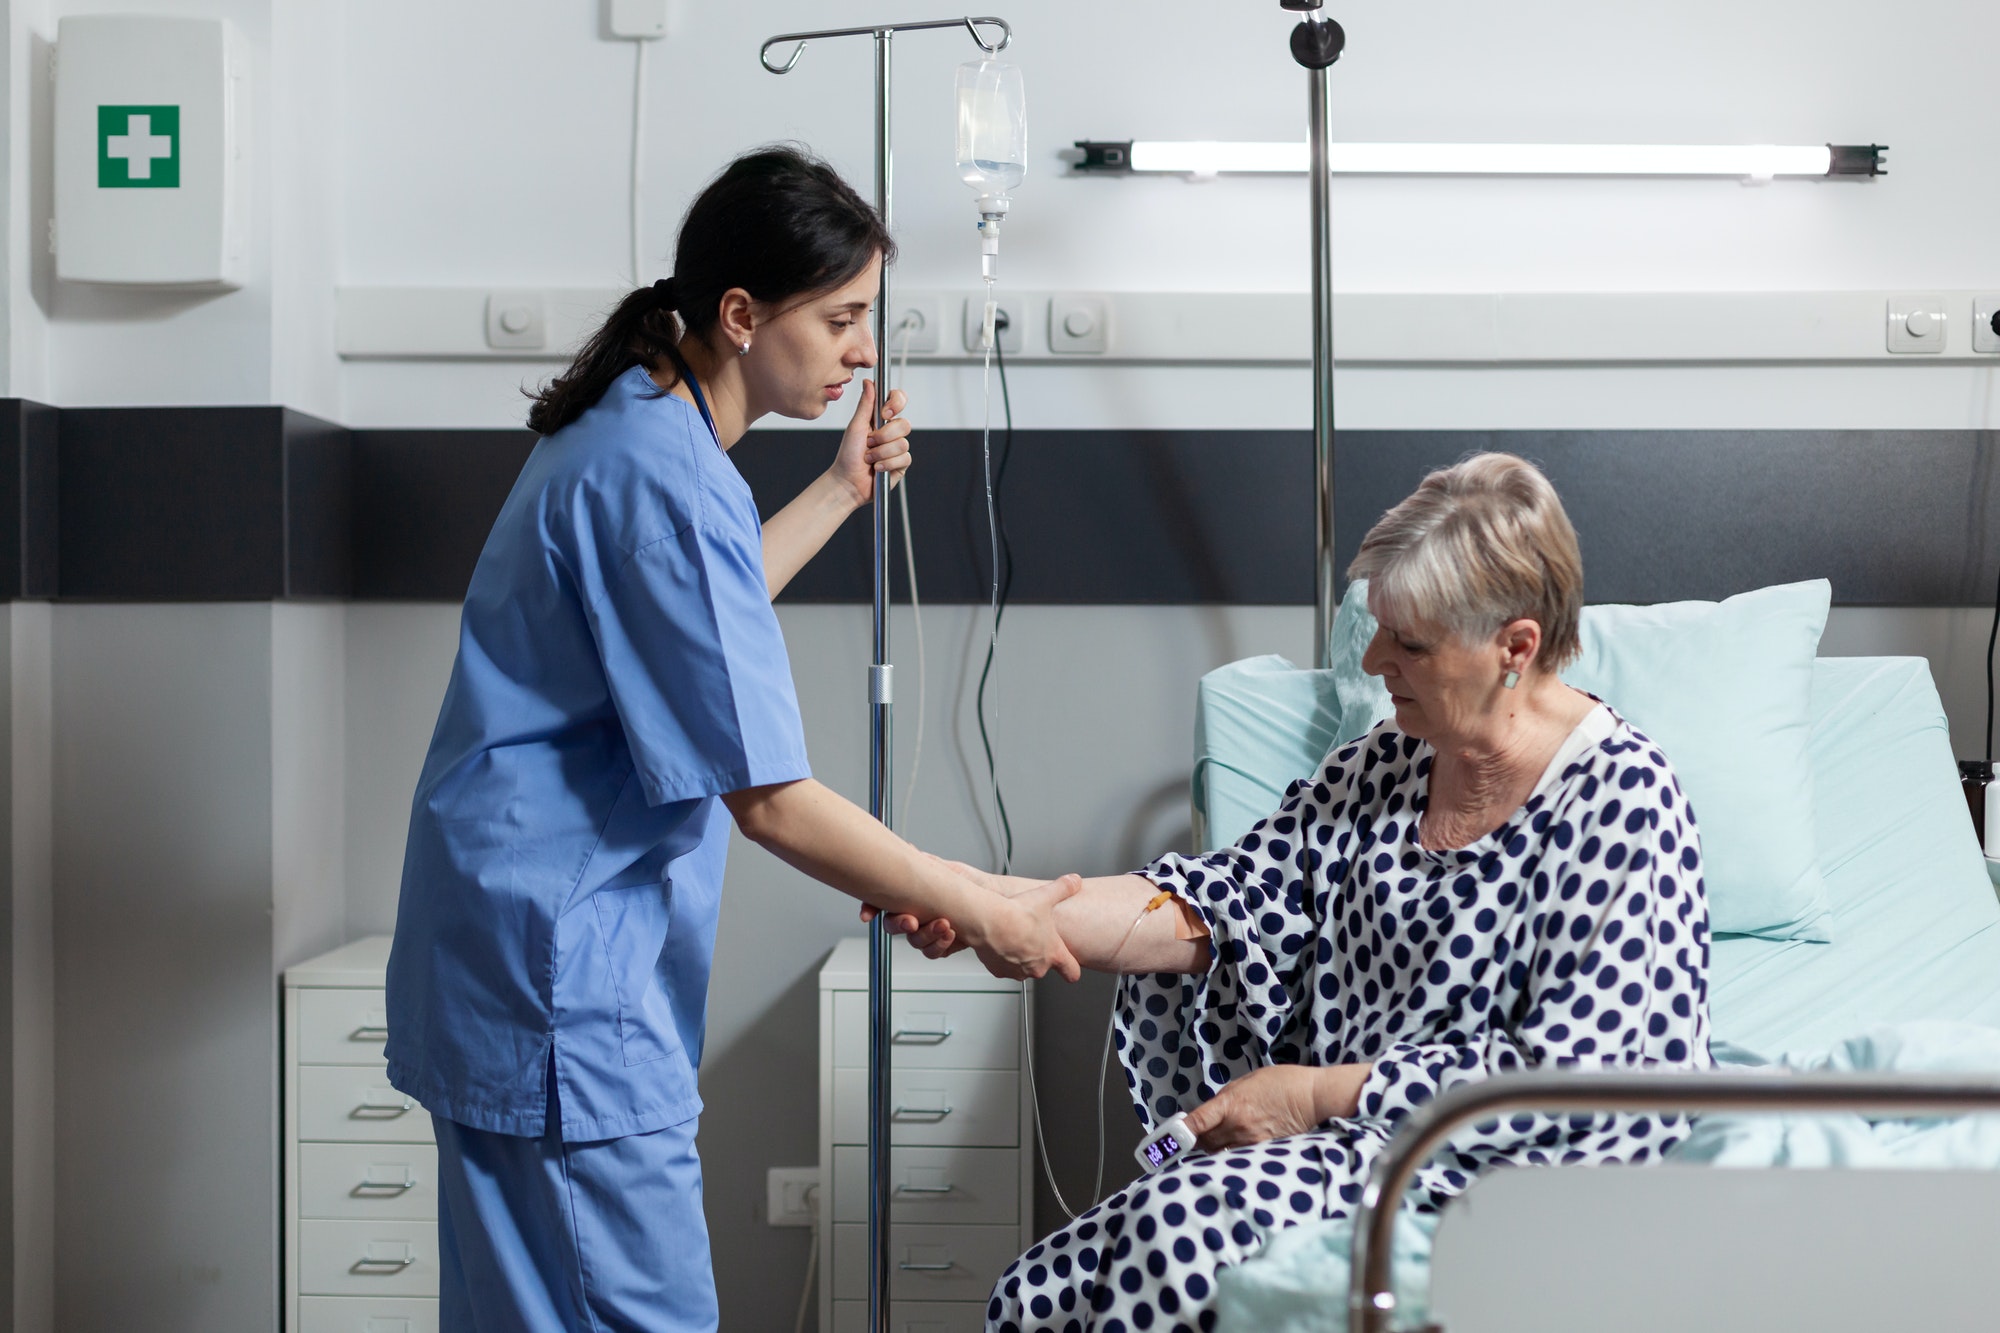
(1474, 547)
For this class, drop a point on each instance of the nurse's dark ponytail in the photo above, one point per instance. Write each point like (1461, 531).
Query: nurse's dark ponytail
(779, 223)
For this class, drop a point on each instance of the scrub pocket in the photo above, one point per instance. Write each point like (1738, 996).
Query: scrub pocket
(634, 924)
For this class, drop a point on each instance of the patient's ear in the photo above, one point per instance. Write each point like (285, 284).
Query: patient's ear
(1520, 641)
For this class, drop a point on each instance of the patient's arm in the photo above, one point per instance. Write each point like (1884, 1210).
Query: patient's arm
(1097, 923)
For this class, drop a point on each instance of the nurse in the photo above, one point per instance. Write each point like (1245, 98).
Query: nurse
(621, 683)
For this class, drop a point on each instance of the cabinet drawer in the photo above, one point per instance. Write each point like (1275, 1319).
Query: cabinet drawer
(914, 1317)
(369, 1258)
(340, 1027)
(970, 1185)
(933, 1107)
(381, 1314)
(355, 1104)
(933, 1029)
(365, 1180)
(925, 1263)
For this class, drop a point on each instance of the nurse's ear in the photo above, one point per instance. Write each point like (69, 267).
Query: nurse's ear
(736, 319)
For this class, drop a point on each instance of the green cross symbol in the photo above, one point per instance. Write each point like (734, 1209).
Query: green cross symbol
(138, 147)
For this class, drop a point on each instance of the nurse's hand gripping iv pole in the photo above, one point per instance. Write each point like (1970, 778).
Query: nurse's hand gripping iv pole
(879, 676)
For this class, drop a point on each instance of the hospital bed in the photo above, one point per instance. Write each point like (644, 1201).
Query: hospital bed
(1909, 983)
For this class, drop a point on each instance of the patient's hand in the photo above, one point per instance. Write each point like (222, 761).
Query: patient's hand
(1277, 1102)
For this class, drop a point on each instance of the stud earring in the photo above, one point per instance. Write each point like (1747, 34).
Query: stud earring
(744, 350)
(1511, 679)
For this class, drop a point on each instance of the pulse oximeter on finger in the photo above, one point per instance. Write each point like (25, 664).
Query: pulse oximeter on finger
(1165, 1145)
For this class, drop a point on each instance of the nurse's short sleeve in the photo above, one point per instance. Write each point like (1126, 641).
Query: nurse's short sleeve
(697, 668)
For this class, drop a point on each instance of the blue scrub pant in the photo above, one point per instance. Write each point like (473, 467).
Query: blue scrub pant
(543, 1236)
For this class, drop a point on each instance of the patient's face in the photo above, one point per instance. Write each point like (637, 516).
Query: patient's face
(1442, 687)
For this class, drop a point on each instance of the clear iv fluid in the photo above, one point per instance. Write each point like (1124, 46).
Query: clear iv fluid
(989, 177)
(992, 139)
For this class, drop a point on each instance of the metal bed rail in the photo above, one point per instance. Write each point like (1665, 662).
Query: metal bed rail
(1371, 1300)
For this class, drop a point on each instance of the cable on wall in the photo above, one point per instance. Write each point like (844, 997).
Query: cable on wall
(638, 155)
(1002, 556)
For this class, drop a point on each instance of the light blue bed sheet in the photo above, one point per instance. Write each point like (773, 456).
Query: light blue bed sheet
(1916, 927)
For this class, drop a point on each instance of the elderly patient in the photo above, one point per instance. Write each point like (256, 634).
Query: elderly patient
(1506, 876)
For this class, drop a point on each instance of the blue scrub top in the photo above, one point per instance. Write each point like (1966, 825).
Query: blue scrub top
(619, 666)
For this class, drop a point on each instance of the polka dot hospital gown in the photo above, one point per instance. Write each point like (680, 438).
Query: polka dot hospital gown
(1576, 934)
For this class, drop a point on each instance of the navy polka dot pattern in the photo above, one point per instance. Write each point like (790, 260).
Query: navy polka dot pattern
(1574, 935)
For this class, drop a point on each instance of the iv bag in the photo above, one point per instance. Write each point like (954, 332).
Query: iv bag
(992, 127)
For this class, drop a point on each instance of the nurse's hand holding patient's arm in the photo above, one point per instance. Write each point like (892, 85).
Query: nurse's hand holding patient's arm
(835, 841)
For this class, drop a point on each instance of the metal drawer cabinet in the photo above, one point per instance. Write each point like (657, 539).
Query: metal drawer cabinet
(360, 1178)
(960, 1162)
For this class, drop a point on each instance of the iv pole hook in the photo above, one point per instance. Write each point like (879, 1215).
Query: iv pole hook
(971, 24)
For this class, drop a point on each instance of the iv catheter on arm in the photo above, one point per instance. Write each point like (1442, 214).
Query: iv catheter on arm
(1114, 923)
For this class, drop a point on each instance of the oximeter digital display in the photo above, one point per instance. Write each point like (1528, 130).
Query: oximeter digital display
(1169, 1143)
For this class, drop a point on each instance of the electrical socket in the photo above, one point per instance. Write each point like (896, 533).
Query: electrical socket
(791, 1196)
(1013, 308)
(925, 316)
(1986, 323)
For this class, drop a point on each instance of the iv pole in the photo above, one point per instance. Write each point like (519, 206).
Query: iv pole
(1316, 43)
(880, 754)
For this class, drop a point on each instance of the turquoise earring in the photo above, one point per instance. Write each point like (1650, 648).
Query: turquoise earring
(1512, 679)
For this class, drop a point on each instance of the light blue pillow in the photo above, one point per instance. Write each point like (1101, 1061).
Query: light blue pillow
(1725, 688)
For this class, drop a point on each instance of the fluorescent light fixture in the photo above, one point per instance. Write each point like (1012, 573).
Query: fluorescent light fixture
(1752, 161)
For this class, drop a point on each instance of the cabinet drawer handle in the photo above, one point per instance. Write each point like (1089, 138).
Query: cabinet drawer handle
(935, 1113)
(926, 1268)
(925, 1189)
(378, 1189)
(934, 1036)
(369, 1032)
(384, 1257)
(381, 1104)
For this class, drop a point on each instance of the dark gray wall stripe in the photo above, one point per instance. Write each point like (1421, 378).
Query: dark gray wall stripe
(423, 503)
(1907, 518)
(196, 504)
(27, 500)
(201, 504)
(1105, 517)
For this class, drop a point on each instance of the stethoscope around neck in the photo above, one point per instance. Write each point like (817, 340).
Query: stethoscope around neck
(694, 387)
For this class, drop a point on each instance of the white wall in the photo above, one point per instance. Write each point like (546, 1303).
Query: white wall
(537, 195)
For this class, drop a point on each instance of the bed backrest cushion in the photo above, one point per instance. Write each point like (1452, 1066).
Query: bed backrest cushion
(1725, 688)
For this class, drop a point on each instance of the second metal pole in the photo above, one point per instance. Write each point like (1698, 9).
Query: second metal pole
(880, 756)
(1316, 43)
(1324, 574)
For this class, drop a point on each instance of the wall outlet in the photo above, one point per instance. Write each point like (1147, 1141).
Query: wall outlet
(1916, 324)
(1011, 337)
(924, 318)
(1986, 323)
(791, 1196)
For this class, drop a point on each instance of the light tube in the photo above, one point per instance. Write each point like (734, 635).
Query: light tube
(1754, 161)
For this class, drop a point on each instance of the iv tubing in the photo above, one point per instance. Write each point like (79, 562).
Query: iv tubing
(1103, 1067)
